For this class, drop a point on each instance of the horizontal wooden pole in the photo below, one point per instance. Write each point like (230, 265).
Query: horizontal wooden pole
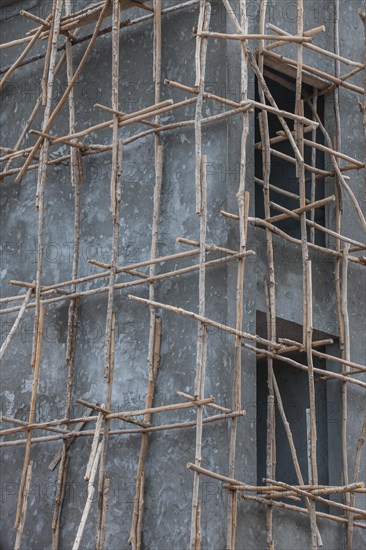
(241, 37)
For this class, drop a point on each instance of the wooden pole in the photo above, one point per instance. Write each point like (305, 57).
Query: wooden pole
(109, 339)
(195, 536)
(23, 495)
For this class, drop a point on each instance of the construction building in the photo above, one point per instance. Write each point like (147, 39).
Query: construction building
(183, 268)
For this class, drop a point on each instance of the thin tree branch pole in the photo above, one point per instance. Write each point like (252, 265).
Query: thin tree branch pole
(108, 411)
(356, 473)
(307, 276)
(267, 490)
(153, 354)
(270, 287)
(90, 14)
(339, 173)
(219, 477)
(75, 144)
(318, 498)
(141, 512)
(89, 500)
(121, 416)
(16, 322)
(338, 213)
(39, 311)
(94, 446)
(115, 198)
(280, 134)
(242, 37)
(106, 492)
(334, 153)
(120, 269)
(286, 36)
(200, 58)
(161, 259)
(132, 118)
(20, 59)
(131, 431)
(18, 422)
(46, 65)
(312, 70)
(151, 111)
(231, 482)
(345, 76)
(42, 170)
(136, 523)
(209, 247)
(190, 397)
(271, 418)
(125, 121)
(76, 180)
(162, 408)
(147, 111)
(320, 173)
(35, 18)
(320, 354)
(307, 287)
(310, 32)
(143, 280)
(48, 123)
(201, 353)
(313, 472)
(299, 509)
(294, 454)
(314, 225)
(242, 198)
(23, 497)
(76, 18)
(290, 349)
(33, 114)
(280, 191)
(233, 331)
(347, 356)
(197, 56)
(298, 118)
(20, 529)
(60, 492)
(350, 372)
(302, 209)
(362, 14)
(262, 223)
(104, 31)
(98, 149)
(124, 118)
(207, 321)
(123, 113)
(269, 108)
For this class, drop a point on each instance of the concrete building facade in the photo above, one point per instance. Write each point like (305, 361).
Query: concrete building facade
(128, 193)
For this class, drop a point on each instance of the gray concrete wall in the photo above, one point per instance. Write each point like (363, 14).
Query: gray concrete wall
(168, 483)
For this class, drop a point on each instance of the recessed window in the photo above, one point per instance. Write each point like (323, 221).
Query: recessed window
(283, 171)
(294, 390)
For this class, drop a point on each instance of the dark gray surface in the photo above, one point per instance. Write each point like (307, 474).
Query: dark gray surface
(168, 482)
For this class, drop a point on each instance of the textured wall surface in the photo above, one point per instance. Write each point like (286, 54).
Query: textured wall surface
(168, 483)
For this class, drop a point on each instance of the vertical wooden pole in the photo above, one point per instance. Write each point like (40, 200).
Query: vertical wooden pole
(243, 207)
(153, 353)
(39, 312)
(76, 174)
(109, 341)
(307, 278)
(201, 356)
